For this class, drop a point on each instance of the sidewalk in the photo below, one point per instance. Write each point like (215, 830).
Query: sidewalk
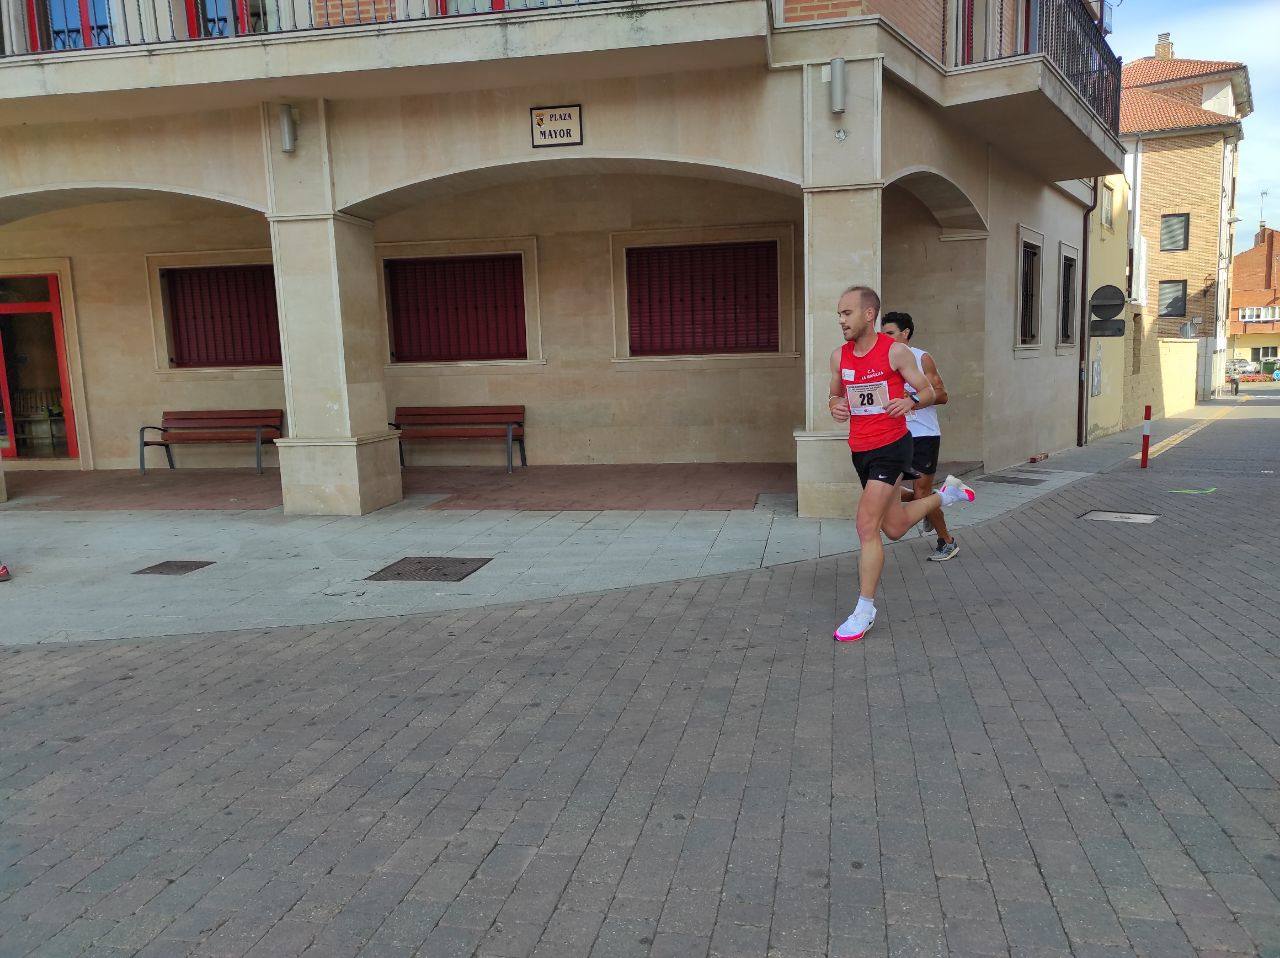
(73, 569)
(1064, 743)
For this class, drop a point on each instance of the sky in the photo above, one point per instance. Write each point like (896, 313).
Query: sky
(1243, 30)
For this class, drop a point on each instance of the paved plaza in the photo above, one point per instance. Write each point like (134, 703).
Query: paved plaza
(1064, 742)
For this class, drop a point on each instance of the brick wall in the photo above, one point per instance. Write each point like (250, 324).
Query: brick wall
(1183, 174)
(337, 12)
(1193, 93)
(800, 11)
(1249, 269)
(922, 21)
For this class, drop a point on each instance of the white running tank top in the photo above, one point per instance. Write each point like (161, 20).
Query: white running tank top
(922, 422)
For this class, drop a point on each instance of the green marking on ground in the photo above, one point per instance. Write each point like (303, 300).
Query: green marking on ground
(1196, 492)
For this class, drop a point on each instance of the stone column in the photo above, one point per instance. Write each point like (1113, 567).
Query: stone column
(841, 249)
(340, 457)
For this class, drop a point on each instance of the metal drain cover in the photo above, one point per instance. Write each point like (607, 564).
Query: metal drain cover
(1143, 518)
(173, 567)
(428, 569)
(1012, 480)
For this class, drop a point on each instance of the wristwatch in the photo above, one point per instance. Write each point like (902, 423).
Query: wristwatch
(915, 398)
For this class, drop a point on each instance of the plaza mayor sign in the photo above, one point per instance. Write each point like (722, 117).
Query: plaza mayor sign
(555, 125)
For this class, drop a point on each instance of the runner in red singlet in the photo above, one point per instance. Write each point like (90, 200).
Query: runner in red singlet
(869, 374)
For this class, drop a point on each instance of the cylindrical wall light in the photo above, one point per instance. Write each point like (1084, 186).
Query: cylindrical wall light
(837, 85)
(288, 129)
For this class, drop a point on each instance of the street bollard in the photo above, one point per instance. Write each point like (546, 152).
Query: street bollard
(1146, 436)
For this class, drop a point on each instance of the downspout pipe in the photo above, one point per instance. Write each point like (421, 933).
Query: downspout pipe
(1082, 397)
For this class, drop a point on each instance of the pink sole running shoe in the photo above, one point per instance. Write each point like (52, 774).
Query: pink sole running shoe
(953, 490)
(855, 627)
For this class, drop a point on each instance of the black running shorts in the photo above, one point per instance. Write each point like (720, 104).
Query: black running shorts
(886, 464)
(924, 454)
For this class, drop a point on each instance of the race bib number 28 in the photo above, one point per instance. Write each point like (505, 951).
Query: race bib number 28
(867, 399)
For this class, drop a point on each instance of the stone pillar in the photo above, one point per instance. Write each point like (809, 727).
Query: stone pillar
(841, 249)
(340, 457)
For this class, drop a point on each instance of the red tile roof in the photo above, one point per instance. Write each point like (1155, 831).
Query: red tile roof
(1151, 70)
(1143, 111)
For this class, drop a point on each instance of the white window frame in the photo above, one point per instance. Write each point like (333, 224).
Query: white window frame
(1067, 252)
(165, 372)
(526, 246)
(1108, 207)
(779, 233)
(1028, 235)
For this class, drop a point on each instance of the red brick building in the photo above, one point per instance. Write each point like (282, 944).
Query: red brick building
(1254, 329)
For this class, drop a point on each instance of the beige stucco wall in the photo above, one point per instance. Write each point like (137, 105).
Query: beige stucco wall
(583, 406)
(1242, 345)
(107, 245)
(941, 284)
(733, 122)
(1109, 266)
(1031, 394)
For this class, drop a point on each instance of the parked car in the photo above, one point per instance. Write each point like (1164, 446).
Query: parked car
(1242, 367)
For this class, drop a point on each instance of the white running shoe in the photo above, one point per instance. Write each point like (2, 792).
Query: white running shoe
(953, 490)
(855, 627)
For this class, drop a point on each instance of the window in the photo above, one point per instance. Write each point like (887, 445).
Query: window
(702, 299)
(456, 309)
(1067, 281)
(1173, 232)
(1264, 352)
(1173, 297)
(1108, 203)
(1259, 314)
(1029, 295)
(221, 316)
(69, 24)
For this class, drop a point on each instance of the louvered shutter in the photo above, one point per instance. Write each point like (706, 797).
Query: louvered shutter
(1173, 231)
(222, 316)
(1173, 297)
(459, 308)
(690, 300)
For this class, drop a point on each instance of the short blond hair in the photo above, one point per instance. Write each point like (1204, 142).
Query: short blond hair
(866, 297)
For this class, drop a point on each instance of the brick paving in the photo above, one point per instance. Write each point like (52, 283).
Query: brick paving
(671, 486)
(1062, 743)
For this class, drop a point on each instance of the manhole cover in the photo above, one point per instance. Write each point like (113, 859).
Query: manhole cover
(1012, 480)
(428, 569)
(173, 567)
(1144, 518)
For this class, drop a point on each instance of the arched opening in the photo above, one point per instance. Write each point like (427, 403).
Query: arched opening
(129, 351)
(661, 303)
(934, 268)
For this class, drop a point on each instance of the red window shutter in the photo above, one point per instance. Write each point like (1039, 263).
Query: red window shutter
(456, 308)
(222, 316)
(966, 40)
(687, 300)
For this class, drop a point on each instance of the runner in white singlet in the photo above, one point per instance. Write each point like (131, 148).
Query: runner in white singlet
(926, 433)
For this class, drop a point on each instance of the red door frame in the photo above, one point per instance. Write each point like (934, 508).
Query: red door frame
(53, 306)
(33, 28)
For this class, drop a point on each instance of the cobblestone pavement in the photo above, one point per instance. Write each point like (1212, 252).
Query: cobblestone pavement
(1062, 743)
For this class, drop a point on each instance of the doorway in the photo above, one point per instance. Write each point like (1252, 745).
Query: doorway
(35, 392)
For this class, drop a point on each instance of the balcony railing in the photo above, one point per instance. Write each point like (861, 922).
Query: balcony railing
(46, 26)
(1063, 30)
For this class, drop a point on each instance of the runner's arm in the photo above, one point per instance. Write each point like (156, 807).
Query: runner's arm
(903, 360)
(837, 401)
(940, 396)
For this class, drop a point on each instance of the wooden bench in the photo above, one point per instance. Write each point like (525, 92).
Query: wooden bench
(212, 426)
(462, 422)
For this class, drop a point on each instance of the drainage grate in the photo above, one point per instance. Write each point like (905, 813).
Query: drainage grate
(428, 569)
(1012, 480)
(1143, 518)
(173, 567)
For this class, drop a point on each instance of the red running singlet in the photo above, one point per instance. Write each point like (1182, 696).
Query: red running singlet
(870, 383)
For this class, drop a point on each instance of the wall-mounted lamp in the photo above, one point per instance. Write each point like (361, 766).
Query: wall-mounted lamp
(288, 129)
(837, 85)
